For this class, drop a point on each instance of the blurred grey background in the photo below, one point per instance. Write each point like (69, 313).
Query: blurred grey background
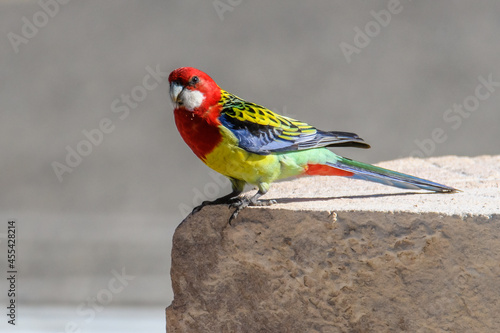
(67, 68)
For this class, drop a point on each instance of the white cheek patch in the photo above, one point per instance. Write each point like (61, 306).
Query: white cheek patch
(191, 99)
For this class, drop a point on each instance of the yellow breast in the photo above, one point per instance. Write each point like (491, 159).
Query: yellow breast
(232, 161)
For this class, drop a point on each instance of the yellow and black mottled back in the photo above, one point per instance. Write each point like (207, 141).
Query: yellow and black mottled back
(262, 131)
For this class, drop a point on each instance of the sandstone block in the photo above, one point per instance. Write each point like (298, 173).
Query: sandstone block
(337, 255)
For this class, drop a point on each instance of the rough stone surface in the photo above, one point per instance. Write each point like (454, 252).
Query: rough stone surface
(340, 256)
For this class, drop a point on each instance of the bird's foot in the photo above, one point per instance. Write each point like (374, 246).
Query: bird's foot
(235, 201)
(199, 207)
(242, 202)
(220, 201)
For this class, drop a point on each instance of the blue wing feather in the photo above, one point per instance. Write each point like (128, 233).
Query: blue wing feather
(261, 131)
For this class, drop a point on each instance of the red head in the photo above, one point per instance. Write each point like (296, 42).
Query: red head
(193, 90)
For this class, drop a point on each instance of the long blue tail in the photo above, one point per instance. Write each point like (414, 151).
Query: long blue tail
(388, 177)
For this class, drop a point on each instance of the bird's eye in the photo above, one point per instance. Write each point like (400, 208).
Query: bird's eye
(195, 80)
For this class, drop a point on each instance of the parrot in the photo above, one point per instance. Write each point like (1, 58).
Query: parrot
(250, 144)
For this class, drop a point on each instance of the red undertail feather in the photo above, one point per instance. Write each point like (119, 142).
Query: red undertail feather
(325, 170)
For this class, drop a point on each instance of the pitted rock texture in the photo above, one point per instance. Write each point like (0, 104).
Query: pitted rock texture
(318, 270)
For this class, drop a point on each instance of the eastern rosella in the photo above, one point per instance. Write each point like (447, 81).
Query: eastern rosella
(250, 144)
